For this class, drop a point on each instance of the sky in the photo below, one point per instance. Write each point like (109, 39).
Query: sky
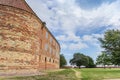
(77, 24)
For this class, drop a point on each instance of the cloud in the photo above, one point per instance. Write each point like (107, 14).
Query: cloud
(66, 16)
(92, 37)
(64, 46)
(68, 38)
(92, 40)
(71, 42)
(74, 42)
(77, 46)
(75, 27)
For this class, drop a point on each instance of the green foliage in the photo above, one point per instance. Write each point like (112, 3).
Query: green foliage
(79, 59)
(82, 60)
(90, 63)
(62, 60)
(104, 59)
(111, 44)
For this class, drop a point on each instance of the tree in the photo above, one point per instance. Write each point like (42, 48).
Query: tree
(90, 62)
(111, 44)
(80, 59)
(104, 59)
(62, 60)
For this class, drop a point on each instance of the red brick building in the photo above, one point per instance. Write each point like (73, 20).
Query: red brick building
(25, 41)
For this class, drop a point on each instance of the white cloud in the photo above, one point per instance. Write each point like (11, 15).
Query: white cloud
(65, 19)
(69, 37)
(68, 16)
(64, 46)
(72, 42)
(87, 38)
(92, 39)
(77, 46)
(61, 1)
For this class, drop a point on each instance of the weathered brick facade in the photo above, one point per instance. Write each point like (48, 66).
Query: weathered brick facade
(25, 42)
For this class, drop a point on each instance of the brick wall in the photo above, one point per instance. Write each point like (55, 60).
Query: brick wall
(21, 4)
(23, 40)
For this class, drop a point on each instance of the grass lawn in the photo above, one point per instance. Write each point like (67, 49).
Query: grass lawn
(66, 74)
(70, 74)
(99, 74)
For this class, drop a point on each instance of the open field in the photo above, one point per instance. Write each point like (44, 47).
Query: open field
(74, 74)
(100, 74)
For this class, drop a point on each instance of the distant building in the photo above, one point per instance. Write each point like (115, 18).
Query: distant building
(25, 41)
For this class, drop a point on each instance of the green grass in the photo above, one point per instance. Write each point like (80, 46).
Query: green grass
(99, 74)
(66, 74)
(69, 74)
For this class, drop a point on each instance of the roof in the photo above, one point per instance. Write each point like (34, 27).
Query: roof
(18, 4)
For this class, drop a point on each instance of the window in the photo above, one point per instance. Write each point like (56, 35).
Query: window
(49, 60)
(39, 58)
(46, 34)
(50, 39)
(46, 47)
(54, 43)
(45, 59)
(56, 54)
(50, 50)
(41, 44)
(53, 51)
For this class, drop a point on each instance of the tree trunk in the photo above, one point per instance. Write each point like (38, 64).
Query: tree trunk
(104, 66)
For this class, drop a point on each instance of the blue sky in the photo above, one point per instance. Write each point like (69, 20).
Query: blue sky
(77, 24)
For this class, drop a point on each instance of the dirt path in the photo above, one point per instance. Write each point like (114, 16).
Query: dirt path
(77, 73)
